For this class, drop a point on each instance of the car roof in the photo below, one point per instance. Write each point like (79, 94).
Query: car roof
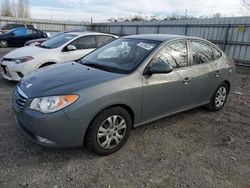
(160, 37)
(86, 33)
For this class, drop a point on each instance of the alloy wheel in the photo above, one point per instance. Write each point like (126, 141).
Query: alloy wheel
(111, 132)
(3, 43)
(220, 97)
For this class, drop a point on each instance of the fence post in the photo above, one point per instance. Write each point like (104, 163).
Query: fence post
(158, 29)
(121, 30)
(185, 31)
(137, 29)
(225, 38)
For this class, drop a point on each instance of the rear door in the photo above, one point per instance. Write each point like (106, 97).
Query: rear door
(83, 45)
(205, 79)
(168, 93)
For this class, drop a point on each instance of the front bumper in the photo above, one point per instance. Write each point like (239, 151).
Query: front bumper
(51, 130)
(12, 71)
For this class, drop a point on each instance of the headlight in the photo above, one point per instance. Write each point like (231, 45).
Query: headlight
(52, 103)
(22, 59)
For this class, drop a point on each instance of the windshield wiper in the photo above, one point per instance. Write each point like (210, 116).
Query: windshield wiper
(94, 65)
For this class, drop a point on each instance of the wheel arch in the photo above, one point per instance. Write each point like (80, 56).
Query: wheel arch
(124, 106)
(228, 84)
(46, 64)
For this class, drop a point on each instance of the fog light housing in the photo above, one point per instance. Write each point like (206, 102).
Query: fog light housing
(44, 140)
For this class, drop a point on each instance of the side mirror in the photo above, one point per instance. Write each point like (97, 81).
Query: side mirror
(160, 68)
(13, 34)
(71, 48)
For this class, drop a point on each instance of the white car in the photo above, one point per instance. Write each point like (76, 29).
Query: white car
(62, 48)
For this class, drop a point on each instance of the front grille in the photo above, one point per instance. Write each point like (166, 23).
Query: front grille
(20, 98)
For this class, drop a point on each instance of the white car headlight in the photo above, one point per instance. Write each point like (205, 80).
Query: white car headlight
(22, 59)
(52, 103)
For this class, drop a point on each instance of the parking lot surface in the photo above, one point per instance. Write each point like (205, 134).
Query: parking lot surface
(197, 148)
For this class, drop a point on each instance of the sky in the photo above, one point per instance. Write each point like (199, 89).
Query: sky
(101, 10)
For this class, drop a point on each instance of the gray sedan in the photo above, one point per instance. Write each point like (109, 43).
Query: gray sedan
(131, 81)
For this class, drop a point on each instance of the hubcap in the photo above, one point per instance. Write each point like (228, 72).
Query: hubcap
(220, 97)
(111, 132)
(3, 43)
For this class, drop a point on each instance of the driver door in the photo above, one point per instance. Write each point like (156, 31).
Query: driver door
(167, 93)
(84, 45)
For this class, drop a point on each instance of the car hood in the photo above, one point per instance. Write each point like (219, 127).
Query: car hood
(65, 78)
(25, 51)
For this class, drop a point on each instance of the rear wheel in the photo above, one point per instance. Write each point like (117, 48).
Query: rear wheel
(3, 44)
(219, 98)
(109, 131)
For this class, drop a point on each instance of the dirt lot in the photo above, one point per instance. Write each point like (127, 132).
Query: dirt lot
(192, 149)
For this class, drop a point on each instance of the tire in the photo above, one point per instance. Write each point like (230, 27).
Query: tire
(108, 125)
(219, 98)
(3, 44)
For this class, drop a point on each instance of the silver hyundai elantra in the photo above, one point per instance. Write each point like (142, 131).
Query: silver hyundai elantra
(126, 83)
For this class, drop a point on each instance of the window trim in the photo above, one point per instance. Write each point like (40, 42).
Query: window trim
(191, 52)
(163, 46)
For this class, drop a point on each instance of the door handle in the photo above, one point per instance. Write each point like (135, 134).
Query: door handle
(217, 73)
(186, 80)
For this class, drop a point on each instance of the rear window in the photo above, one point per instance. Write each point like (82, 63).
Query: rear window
(202, 52)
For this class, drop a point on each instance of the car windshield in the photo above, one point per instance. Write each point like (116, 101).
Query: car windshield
(57, 34)
(121, 55)
(2, 27)
(57, 41)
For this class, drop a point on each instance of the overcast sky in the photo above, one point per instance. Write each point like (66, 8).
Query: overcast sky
(101, 10)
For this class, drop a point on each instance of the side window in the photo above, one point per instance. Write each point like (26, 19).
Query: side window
(175, 54)
(20, 32)
(217, 53)
(101, 40)
(87, 42)
(30, 26)
(32, 32)
(202, 52)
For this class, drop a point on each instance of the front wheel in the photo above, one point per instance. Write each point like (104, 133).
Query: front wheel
(3, 44)
(219, 98)
(109, 131)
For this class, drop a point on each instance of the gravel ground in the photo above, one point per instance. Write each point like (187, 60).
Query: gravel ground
(192, 149)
